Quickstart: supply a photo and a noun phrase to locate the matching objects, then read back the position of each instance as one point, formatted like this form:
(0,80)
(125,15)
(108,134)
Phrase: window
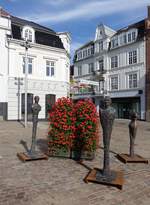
(129,37)
(50,68)
(101,65)
(91,67)
(28,34)
(84,53)
(132,80)
(133,36)
(114,42)
(124,38)
(92,50)
(79,70)
(79,55)
(100,46)
(114,62)
(114,83)
(89,51)
(132,57)
(29,65)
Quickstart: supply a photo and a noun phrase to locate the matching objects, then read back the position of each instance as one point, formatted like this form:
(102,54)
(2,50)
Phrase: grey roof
(22,22)
(43,35)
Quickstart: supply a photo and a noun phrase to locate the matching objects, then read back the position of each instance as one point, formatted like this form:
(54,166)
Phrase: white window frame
(112,84)
(129,39)
(79,70)
(114,42)
(28,33)
(29,63)
(132,37)
(100,46)
(50,68)
(114,62)
(132,57)
(101,64)
(131,81)
(90,67)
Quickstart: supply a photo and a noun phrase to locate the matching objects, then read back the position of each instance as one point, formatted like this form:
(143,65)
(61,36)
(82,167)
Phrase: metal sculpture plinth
(96,176)
(126,158)
(24,156)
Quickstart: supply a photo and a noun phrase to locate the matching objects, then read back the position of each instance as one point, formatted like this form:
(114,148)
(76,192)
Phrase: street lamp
(19,83)
(26,45)
(99,76)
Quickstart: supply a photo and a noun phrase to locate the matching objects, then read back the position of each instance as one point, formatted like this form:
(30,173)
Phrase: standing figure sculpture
(107,116)
(132,132)
(36,108)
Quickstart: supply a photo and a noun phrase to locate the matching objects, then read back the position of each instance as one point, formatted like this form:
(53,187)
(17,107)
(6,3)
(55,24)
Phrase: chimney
(148,12)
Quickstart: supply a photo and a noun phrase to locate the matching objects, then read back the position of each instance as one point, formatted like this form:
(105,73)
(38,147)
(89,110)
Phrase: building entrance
(125,106)
(49,102)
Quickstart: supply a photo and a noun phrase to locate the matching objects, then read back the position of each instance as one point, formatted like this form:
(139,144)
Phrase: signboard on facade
(88,82)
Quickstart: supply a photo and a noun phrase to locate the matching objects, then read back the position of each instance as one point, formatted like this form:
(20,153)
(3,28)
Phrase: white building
(122,58)
(48,65)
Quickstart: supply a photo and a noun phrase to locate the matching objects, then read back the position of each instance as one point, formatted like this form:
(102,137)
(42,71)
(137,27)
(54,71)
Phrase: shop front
(124,106)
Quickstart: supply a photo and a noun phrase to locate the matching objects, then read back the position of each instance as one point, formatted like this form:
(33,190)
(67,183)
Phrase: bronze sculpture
(107,116)
(32,154)
(132,133)
(36,108)
(132,157)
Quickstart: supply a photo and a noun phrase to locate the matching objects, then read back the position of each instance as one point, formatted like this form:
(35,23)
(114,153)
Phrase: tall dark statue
(36,108)
(132,132)
(107,116)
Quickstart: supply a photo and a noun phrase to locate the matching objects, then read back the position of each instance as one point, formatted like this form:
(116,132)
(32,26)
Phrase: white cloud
(88,10)
(57,2)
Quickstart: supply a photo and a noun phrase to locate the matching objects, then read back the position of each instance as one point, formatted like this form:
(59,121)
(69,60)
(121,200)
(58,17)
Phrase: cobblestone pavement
(60,181)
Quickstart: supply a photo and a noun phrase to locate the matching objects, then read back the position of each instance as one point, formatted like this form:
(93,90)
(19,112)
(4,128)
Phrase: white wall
(4,30)
(38,83)
(36,87)
(11,61)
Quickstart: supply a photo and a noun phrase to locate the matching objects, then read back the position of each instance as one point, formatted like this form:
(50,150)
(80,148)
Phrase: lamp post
(99,76)
(18,82)
(26,45)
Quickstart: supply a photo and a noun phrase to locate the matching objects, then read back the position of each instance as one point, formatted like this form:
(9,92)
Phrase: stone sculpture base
(127,159)
(117,181)
(24,156)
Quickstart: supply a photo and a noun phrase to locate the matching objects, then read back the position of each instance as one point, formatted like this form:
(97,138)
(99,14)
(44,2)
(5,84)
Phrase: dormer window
(28,33)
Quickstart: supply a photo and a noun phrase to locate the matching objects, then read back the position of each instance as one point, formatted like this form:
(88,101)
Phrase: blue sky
(79,17)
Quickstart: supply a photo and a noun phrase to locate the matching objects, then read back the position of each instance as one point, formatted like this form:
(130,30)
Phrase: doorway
(50,100)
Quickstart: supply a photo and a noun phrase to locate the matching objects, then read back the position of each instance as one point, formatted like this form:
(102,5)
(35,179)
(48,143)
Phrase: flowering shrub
(73,128)
(86,125)
(62,124)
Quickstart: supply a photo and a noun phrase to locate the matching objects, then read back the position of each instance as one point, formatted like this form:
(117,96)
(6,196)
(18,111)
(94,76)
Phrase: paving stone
(60,181)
